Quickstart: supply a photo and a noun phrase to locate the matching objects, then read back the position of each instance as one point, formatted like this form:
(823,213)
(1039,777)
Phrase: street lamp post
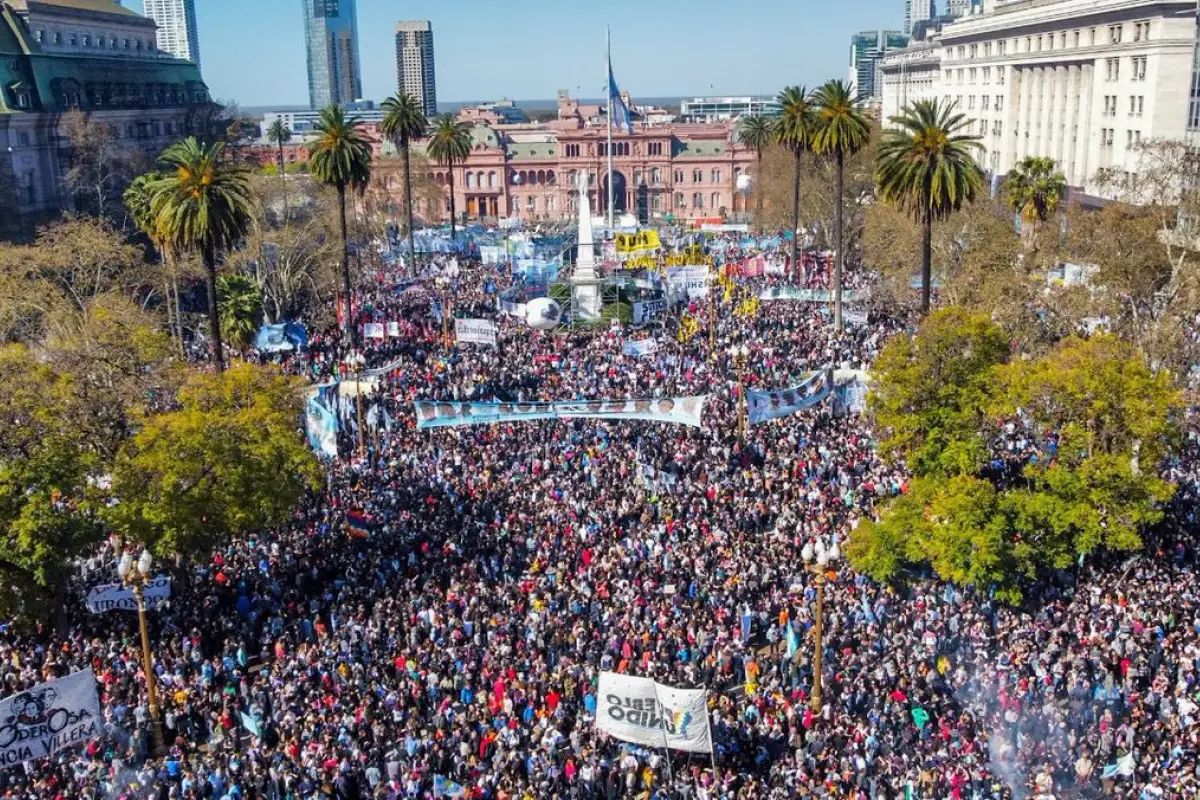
(356,361)
(444,284)
(135,575)
(816,560)
(740,357)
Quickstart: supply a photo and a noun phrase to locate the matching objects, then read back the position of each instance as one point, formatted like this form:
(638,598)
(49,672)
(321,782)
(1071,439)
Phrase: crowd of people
(455,649)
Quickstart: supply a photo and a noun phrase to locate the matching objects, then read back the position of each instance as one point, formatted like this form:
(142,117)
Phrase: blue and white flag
(620,112)
(793,641)
(764,406)
(444,787)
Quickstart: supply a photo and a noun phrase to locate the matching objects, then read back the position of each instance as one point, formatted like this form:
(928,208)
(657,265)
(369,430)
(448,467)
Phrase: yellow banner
(689,326)
(639,242)
(689,260)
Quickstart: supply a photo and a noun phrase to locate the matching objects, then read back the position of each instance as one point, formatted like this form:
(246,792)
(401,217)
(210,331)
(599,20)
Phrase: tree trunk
(450,175)
(839,258)
(283,180)
(796,217)
(758,195)
(408,204)
(214,314)
(350,327)
(178,317)
(926,260)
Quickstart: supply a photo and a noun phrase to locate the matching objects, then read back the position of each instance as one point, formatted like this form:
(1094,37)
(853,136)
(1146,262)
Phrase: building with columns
(688,171)
(1079,81)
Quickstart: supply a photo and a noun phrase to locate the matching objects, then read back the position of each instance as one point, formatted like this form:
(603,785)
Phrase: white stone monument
(585,282)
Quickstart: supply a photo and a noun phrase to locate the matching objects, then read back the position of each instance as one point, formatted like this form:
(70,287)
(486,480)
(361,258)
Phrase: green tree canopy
(241,308)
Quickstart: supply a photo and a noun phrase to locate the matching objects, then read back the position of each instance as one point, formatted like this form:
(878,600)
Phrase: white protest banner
(854,317)
(373,330)
(641,711)
(691,281)
(393,329)
(680,410)
(117,597)
(479,331)
(647,309)
(49,717)
(640,347)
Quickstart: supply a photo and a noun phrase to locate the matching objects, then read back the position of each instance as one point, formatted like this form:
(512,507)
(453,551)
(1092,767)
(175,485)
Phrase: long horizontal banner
(49,717)
(118,597)
(764,406)
(806,295)
(679,410)
(479,331)
(643,711)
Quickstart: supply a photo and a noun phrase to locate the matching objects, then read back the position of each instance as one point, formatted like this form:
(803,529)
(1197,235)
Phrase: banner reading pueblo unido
(679,410)
(51,716)
(118,597)
(641,711)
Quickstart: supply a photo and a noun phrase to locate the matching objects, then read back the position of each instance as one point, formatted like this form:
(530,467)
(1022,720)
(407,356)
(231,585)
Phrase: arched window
(716,176)
(715,201)
(470,180)
(697,175)
(541,176)
(572,178)
(479,179)
(679,200)
(654,176)
(491,180)
(440,179)
(522,177)
(697,200)
(550,177)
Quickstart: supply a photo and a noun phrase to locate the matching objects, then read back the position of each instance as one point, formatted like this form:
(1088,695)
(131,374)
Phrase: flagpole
(609,116)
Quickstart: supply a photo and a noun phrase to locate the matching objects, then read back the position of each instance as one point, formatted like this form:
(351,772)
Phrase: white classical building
(1080,81)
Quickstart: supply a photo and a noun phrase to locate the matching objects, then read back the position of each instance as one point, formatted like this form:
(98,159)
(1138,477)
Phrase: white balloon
(542,314)
(744,182)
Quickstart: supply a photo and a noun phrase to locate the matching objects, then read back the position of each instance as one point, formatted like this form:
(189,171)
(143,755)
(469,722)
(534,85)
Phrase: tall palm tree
(1034,189)
(138,203)
(279,134)
(756,133)
(926,165)
(340,156)
(201,204)
(449,144)
(794,128)
(403,121)
(842,130)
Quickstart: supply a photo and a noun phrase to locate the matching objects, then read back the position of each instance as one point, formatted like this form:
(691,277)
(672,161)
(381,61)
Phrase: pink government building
(529,170)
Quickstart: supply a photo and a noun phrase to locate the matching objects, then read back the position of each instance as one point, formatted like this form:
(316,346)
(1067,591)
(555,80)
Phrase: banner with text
(679,410)
(478,331)
(117,597)
(641,347)
(806,295)
(689,281)
(49,717)
(647,310)
(645,712)
(764,406)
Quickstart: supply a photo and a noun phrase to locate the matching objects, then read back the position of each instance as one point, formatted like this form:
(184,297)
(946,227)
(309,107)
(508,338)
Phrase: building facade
(334,70)
(1079,81)
(176,21)
(723,109)
(867,50)
(88,55)
(917,11)
(415,74)
(685,172)
(302,121)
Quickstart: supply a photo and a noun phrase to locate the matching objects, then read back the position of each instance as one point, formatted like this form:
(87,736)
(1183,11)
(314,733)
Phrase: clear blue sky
(253,50)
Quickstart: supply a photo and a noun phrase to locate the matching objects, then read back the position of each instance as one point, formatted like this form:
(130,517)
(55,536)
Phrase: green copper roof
(706,148)
(531,150)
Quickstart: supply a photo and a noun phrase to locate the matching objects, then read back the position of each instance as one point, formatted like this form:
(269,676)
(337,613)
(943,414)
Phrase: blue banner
(764,406)
(281,337)
(321,423)
(678,410)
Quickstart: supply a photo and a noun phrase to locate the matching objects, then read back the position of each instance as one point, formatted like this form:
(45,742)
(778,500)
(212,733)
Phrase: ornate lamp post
(816,560)
(354,363)
(135,575)
(740,356)
(444,285)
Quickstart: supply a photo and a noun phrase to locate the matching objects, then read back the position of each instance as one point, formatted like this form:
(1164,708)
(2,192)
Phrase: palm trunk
(450,175)
(408,204)
(283,180)
(178,318)
(758,195)
(926,260)
(214,314)
(350,327)
(796,216)
(839,260)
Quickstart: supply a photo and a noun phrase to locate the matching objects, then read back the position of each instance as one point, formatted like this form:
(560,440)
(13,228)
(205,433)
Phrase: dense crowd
(459,643)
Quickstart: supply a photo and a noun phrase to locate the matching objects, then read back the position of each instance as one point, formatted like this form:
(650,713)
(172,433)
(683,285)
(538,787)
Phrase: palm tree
(756,132)
(794,128)
(403,121)
(341,157)
(138,203)
(201,204)
(1034,189)
(842,130)
(450,144)
(241,308)
(926,166)
(278,134)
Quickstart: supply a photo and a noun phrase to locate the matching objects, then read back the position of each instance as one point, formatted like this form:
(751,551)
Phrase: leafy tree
(341,157)
(449,144)
(757,133)
(98,164)
(279,134)
(229,462)
(926,166)
(201,205)
(1034,190)
(794,129)
(403,121)
(841,130)
(241,308)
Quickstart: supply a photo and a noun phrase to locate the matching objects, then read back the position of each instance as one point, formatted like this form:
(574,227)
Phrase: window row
(97,40)
(1138,31)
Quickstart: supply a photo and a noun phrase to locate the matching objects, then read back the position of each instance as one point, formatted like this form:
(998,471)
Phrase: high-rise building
(867,49)
(960,8)
(916,11)
(414,63)
(334,74)
(176,20)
